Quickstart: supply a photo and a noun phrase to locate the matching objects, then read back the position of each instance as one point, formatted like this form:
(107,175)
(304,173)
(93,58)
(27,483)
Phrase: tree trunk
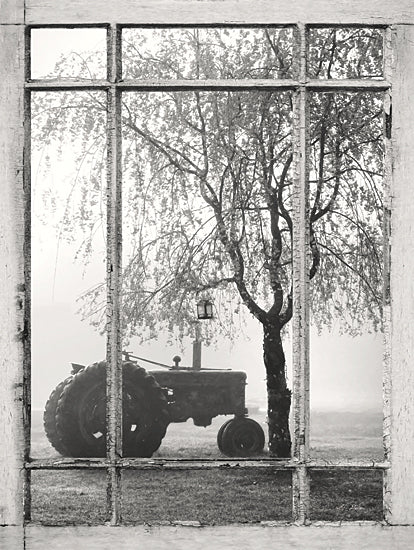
(278,395)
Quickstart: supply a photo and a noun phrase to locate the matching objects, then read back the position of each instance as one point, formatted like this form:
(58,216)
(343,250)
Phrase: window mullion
(387,386)
(114,254)
(300,287)
(14,280)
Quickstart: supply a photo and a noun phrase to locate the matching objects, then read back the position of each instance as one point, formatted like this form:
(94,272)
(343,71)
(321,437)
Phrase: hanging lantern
(204,309)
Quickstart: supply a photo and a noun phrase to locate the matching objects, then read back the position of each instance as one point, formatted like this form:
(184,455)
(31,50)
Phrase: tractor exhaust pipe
(197,349)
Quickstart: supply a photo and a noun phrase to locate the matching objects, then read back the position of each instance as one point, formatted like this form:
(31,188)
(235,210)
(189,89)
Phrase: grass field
(222,495)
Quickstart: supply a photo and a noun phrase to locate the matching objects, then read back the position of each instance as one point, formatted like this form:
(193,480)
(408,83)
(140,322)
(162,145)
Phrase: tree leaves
(207,182)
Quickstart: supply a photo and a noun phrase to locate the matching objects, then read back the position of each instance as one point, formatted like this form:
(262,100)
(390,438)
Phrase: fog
(346,372)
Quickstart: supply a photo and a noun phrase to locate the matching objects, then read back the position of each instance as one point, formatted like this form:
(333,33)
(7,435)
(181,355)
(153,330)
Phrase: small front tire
(220,434)
(242,437)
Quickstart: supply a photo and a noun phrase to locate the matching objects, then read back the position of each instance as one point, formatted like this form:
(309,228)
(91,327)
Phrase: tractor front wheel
(241,437)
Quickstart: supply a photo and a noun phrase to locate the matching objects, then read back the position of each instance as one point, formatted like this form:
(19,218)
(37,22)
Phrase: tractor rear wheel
(49,417)
(81,413)
(242,437)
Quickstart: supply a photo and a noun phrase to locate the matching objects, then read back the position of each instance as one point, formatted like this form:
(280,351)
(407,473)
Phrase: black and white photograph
(206,274)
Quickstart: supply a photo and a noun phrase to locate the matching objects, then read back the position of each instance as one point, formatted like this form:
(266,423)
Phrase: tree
(208,188)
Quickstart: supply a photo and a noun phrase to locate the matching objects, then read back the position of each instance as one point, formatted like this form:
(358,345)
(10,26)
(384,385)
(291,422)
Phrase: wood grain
(401,475)
(201,464)
(11,12)
(300,287)
(12,296)
(365,12)
(114,255)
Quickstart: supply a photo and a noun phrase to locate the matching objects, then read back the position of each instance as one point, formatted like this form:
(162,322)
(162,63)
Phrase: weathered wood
(400,480)
(300,287)
(207,464)
(266,535)
(367,12)
(387,381)
(114,254)
(13,329)
(185,85)
(11,12)
(401,476)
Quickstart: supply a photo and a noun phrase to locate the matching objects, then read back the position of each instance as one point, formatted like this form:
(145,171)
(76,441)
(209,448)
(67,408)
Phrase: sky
(345,371)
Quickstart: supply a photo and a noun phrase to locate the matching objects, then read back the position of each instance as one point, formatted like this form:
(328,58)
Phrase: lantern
(204,309)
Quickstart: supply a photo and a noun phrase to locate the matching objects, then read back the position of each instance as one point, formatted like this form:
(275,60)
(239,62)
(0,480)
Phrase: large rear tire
(49,417)
(81,413)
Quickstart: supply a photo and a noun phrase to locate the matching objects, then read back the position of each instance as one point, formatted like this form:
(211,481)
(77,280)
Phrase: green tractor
(75,413)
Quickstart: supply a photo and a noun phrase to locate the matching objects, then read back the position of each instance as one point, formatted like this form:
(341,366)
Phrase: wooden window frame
(17,18)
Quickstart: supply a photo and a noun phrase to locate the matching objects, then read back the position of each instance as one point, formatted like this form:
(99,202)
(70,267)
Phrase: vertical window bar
(300,325)
(27,278)
(114,251)
(386,315)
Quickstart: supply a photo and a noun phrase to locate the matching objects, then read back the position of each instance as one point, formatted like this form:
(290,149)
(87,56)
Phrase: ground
(218,497)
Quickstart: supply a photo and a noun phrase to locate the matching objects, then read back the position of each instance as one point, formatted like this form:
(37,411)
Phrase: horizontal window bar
(191,464)
(56,85)
(183,85)
(215,25)
(183,26)
(359,84)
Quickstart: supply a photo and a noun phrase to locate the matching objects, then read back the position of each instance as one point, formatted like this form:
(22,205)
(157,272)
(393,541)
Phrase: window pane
(68,53)
(65,497)
(212,497)
(346,53)
(207,53)
(346,202)
(346,495)
(205,174)
(68,272)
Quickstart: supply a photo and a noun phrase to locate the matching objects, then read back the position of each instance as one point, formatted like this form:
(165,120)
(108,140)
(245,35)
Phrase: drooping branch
(320,180)
(329,205)
(282,209)
(167,150)
(316,256)
(360,275)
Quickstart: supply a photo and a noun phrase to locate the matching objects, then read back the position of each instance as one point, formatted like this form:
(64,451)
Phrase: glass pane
(201,53)
(346,53)
(68,53)
(209,497)
(206,187)
(346,495)
(65,497)
(68,273)
(346,201)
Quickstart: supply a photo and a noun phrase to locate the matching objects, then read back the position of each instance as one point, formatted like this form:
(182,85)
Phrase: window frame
(18,430)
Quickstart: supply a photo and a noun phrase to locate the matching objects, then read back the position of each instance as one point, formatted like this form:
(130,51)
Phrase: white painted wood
(201,464)
(387,381)
(270,536)
(184,85)
(114,262)
(400,480)
(219,11)
(300,286)
(401,476)
(11,12)
(12,331)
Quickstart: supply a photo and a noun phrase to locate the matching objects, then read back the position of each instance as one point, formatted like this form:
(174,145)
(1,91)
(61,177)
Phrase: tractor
(75,413)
